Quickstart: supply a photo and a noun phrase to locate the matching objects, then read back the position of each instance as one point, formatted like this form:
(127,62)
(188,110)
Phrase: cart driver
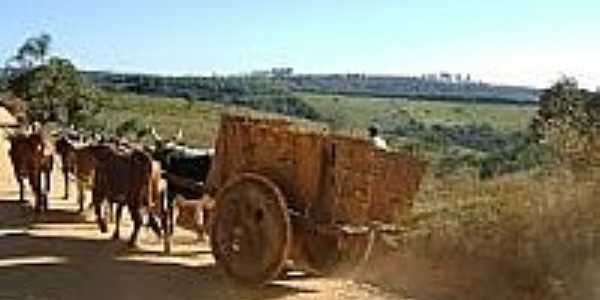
(378,141)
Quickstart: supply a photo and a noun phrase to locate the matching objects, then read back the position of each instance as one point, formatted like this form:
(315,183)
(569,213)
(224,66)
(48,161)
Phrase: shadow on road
(43,267)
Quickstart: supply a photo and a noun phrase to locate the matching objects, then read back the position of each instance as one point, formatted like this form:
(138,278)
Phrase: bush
(569,121)
(523,155)
(475,146)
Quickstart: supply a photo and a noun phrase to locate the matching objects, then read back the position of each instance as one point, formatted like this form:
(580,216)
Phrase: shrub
(479,146)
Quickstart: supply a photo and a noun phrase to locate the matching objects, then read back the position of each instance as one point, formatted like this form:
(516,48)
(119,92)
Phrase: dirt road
(63,256)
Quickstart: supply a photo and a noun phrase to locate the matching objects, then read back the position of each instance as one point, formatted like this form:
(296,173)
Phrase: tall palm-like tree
(32,53)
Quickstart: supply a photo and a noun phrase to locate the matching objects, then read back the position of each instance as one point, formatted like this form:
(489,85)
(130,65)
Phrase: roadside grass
(531,235)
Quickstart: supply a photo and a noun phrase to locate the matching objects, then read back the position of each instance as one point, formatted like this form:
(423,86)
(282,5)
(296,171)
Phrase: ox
(29,159)
(84,168)
(77,159)
(186,170)
(128,178)
(65,148)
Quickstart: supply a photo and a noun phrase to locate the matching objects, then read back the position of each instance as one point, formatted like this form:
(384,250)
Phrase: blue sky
(519,42)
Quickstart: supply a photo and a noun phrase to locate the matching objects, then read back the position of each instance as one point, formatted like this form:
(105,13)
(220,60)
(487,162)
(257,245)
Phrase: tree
(32,53)
(52,88)
(564,99)
(3,83)
(568,119)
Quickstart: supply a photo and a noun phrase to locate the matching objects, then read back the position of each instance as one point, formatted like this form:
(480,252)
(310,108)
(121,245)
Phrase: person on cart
(378,141)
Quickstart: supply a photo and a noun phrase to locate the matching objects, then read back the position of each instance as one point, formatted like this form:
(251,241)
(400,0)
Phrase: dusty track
(62,255)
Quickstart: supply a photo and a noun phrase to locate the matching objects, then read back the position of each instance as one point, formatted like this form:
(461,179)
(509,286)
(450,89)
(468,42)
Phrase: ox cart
(286,194)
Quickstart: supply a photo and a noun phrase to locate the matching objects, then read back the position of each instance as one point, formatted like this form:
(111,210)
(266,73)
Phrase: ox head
(62,145)
(142,160)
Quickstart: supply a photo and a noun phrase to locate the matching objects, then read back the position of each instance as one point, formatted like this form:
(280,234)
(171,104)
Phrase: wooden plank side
(352,169)
(235,150)
(309,160)
(372,184)
(396,182)
(273,156)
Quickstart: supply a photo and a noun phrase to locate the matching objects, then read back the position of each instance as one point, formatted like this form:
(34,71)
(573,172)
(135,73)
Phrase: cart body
(332,190)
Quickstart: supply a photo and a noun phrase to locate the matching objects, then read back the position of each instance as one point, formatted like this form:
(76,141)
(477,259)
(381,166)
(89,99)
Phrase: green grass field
(199,120)
(359,112)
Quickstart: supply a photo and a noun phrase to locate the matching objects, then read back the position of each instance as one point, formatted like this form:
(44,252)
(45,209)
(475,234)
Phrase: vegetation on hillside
(227,88)
(51,87)
(395,86)
(131,115)
(569,121)
(491,138)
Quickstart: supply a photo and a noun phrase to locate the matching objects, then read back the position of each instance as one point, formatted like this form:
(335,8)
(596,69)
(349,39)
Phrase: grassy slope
(199,121)
(358,112)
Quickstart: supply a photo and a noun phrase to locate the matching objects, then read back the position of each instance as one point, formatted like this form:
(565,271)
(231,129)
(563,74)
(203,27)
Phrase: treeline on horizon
(239,89)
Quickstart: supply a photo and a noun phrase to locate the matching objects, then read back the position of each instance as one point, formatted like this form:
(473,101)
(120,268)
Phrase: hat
(373,129)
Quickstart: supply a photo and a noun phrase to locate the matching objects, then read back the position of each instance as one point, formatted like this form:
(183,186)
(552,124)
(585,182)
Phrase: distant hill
(234,88)
(393,86)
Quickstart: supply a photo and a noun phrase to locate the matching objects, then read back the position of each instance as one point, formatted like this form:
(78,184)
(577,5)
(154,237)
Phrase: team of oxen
(145,180)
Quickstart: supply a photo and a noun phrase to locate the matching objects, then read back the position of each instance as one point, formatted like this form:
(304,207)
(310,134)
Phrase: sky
(520,42)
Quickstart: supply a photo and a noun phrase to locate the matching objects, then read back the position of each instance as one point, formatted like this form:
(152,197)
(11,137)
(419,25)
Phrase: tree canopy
(52,88)
(569,119)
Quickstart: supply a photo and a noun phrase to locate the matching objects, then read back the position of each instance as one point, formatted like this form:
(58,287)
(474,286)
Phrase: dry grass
(525,236)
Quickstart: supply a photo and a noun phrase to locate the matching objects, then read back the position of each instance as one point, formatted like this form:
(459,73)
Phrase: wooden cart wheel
(322,253)
(251,234)
(329,253)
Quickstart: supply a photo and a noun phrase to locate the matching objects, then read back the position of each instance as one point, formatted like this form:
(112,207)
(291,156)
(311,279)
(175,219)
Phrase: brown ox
(27,154)
(85,170)
(127,178)
(66,150)
(79,160)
